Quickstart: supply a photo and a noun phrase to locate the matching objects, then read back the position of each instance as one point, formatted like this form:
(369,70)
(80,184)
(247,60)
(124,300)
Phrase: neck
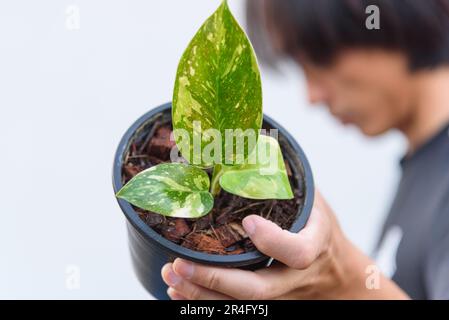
(431,107)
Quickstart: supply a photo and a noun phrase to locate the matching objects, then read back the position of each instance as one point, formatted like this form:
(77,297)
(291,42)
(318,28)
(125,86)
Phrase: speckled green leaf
(217,84)
(265,179)
(171,189)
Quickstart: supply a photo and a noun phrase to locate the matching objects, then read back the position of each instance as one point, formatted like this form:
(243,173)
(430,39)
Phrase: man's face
(370,89)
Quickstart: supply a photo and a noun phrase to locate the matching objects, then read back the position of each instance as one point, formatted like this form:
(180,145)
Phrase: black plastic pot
(150,251)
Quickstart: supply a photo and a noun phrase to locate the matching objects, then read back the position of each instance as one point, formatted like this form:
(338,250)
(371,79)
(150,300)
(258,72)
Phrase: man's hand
(316,263)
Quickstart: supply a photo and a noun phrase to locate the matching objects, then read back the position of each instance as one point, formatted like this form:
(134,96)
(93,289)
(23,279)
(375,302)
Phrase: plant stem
(215,183)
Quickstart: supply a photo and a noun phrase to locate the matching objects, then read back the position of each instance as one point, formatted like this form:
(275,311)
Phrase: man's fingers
(174,295)
(182,289)
(236,283)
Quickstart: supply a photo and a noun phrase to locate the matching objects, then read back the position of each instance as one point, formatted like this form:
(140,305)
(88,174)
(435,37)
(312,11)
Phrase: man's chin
(372,131)
(367,130)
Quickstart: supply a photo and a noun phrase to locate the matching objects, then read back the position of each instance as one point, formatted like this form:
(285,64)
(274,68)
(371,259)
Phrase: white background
(67,96)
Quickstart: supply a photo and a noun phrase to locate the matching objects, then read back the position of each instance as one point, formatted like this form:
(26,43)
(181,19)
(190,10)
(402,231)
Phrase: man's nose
(317,94)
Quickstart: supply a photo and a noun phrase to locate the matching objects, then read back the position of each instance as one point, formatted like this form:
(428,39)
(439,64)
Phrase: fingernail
(249,225)
(171,278)
(184,268)
(174,295)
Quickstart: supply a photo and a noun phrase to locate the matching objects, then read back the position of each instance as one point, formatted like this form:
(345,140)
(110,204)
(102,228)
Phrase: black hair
(321,29)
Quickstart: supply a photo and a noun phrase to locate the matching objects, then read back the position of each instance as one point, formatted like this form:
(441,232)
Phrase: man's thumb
(275,242)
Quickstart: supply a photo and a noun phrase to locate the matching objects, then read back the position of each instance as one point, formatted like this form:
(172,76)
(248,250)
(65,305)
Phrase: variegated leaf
(217,87)
(170,189)
(265,178)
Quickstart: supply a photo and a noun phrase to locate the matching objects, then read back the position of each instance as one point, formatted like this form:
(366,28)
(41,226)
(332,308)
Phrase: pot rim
(149,234)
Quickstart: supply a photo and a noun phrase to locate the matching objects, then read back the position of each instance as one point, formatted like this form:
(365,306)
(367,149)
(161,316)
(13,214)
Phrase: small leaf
(266,178)
(217,87)
(170,189)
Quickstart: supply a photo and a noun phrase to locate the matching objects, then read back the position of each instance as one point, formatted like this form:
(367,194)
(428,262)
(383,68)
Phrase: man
(395,77)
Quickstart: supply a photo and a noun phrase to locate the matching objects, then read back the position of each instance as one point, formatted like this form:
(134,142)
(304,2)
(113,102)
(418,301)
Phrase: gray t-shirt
(419,222)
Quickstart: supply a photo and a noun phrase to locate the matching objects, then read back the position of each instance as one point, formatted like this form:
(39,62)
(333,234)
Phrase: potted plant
(186,174)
